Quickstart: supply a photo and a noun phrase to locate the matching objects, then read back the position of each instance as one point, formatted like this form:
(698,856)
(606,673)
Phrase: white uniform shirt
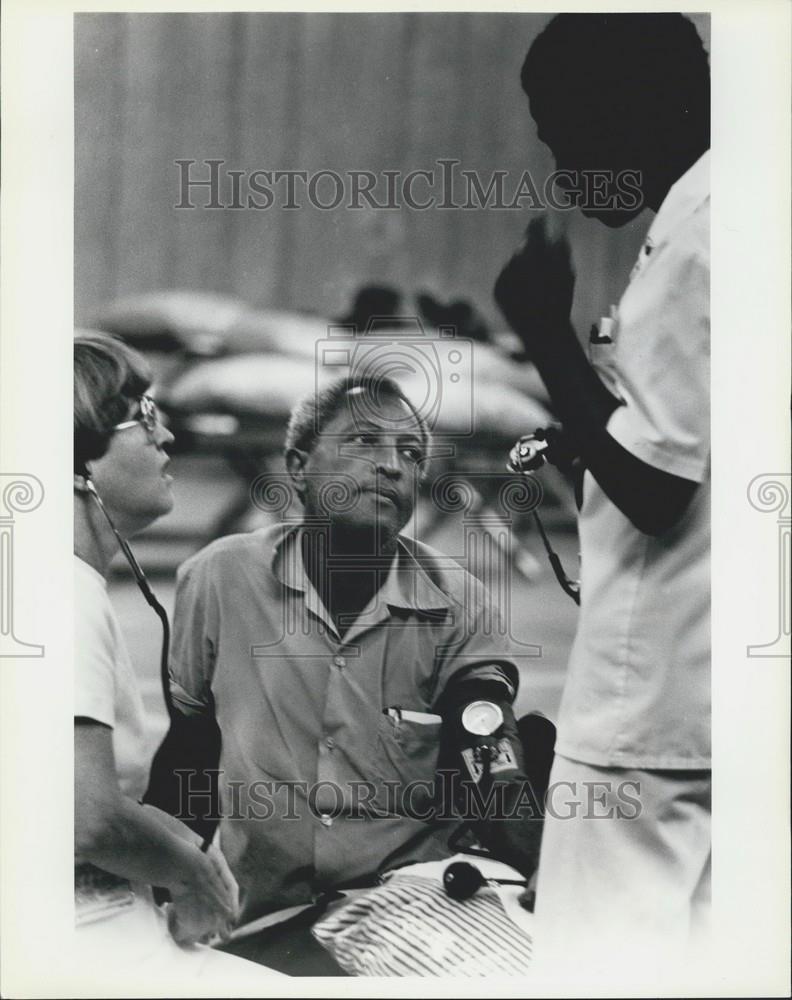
(105,686)
(638,688)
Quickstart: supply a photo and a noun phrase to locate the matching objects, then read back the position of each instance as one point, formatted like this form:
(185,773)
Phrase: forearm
(652,499)
(174,825)
(579,396)
(132,841)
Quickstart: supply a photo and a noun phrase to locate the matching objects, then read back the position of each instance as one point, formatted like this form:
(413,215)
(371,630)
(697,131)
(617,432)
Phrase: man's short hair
(637,65)
(314,411)
(108,376)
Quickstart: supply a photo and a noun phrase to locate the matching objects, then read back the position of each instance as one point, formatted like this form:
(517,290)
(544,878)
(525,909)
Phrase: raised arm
(534,292)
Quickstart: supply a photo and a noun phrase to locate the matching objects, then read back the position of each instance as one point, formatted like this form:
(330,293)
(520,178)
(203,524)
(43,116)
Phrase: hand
(534,290)
(207,906)
(561,448)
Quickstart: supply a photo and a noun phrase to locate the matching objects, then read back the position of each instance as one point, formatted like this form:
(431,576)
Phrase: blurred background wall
(283,91)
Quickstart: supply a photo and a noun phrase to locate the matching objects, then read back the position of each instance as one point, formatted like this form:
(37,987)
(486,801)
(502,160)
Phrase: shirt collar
(683,198)
(406,586)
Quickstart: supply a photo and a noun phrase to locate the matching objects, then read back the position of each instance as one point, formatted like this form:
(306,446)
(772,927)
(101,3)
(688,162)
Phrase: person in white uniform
(628,888)
(122,848)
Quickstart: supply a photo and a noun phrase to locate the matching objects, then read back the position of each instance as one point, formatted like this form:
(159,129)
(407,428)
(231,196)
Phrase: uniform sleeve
(94,658)
(194,641)
(662,364)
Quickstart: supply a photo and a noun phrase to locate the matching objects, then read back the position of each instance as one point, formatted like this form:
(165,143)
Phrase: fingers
(225,933)
(229,883)
(546,241)
(536,231)
(545,230)
(543,261)
(180,930)
(191,922)
(207,908)
(561,253)
(220,935)
(218,897)
(534,291)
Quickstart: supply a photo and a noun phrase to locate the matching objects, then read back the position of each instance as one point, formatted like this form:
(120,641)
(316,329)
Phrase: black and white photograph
(420,604)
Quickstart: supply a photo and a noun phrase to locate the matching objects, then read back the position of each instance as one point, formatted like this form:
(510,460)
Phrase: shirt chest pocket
(406,751)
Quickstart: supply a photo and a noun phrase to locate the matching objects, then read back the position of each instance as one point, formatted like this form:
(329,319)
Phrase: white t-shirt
(105,686)
(638,689)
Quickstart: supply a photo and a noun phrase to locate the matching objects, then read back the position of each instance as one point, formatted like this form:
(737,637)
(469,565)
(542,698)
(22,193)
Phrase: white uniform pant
(623,891)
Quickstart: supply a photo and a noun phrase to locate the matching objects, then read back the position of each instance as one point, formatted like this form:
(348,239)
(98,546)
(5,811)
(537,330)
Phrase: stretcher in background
(228,375)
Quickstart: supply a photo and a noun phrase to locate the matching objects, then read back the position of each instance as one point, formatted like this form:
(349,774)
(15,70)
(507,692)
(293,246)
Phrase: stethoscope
(162,614)
(145,589)
(525,458)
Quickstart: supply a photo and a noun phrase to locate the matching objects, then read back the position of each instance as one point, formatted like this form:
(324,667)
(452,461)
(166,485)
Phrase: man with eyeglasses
(326,647)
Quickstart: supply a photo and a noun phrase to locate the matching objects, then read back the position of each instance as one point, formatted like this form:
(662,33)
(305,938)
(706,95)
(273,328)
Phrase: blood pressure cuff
(498,781)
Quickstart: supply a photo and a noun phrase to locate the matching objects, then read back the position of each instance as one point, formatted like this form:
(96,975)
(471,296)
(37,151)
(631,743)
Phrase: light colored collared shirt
(638,688)
(321,784)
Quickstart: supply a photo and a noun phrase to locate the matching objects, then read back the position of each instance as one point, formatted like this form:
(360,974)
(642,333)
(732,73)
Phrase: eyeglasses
(149,417)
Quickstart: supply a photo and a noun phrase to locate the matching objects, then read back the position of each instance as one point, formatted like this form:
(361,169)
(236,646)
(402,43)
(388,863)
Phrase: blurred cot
(227,376)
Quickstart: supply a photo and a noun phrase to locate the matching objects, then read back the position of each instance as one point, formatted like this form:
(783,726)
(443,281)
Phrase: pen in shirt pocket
(394,713)
(397,715)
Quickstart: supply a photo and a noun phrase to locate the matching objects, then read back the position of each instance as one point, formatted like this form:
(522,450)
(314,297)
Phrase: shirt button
(326,820)
(339,661)
(329,742)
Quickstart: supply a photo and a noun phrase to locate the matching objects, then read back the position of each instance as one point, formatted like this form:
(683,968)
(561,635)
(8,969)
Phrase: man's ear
(295,465)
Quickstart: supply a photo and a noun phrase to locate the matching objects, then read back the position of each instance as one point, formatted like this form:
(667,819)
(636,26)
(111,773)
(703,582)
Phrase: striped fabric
(409,926)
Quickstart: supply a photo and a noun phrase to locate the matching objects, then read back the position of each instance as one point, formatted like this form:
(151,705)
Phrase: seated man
(325,648)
